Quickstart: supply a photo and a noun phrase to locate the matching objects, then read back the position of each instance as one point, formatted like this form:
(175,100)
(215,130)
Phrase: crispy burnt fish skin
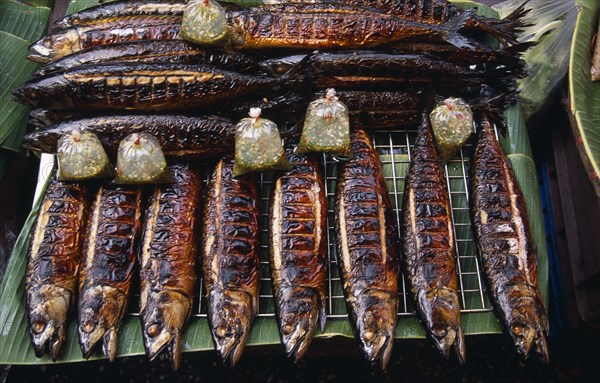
(428,245)
(367,239)
(230,259)
(139,86)
(298,253)
(179,136)
(177,51)
(53,264)
(107,265)
(503,240)
(167,260)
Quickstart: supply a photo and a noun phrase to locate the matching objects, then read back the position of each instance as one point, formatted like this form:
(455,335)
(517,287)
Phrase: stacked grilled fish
(119,68)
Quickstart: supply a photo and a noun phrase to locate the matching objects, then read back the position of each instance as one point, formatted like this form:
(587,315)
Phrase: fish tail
(294,75)
(451,30)
(505,30)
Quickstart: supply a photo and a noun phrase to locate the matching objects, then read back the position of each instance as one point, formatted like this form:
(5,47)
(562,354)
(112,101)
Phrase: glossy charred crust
(230,257)
(503,239)
(367,239)
(429,246)
(167,261)
(298,252)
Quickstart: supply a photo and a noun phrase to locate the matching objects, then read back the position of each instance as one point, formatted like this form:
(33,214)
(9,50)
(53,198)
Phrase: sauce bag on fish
(258,145)
(326,127)
(141,160)
(81,156)
(452,123)
(204,22)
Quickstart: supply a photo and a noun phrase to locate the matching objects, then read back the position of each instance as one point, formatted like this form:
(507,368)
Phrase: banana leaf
(585,94)
(22,20)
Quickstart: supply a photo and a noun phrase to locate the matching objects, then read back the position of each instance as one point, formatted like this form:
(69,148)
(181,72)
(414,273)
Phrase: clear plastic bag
(258,145)
(204,22)
(452,124)
(326,127)
(141,160)
(81,156)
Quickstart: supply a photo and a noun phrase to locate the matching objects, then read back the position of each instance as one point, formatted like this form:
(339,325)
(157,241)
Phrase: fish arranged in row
(107,266)
(298,253)
(504,244)
(230,259)
(179,136)
(53,264)
(167,260)
(428,245)
(367,249)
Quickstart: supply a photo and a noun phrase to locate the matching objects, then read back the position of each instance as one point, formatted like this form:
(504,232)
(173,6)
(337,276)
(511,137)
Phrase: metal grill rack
(394,147)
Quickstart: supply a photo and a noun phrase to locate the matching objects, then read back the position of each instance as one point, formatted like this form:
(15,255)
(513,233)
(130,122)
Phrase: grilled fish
(429,247)
(179,136)
(176,51)
(139,86)
(107,267)
(53,264)
(298,253)
(230,260)
(167,261)
(367,240)
(503,240)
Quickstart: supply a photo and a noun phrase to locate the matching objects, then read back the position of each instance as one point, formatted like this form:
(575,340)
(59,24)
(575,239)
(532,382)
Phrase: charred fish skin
(298,253)
(428,245)
(197,137)
(367,240)
(167,262)
(53,265)
(503,240)
(230,258)
(139,86)
(107,266)
(177,51)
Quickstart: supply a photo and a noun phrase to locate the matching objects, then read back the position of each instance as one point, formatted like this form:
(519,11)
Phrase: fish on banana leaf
(107,266)
(367,249)
(230,259)
(53,264)
(298,253)
(504,245)
(167,260)
(428,245)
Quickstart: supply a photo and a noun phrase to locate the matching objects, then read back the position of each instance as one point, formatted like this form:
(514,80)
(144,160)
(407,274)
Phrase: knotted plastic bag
(141,160)
(258,145)
(452,124)
(326,127)
(204,22)
(81,156)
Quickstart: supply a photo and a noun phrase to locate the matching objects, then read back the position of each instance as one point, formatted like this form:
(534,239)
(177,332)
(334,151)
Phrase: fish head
(163,316)
(49,308)
(101,309)
(237,31)
(42,50)
(47,91)
(230,315)
(376,314)
(298,313)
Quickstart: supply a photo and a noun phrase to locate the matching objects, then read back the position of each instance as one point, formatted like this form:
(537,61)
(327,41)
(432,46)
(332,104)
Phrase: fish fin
(322,312)
(56,343)
(109,344)
(459,346)
(386,353)
(452,27)
(506,29)
(541,348)
(292,75)
(174,350)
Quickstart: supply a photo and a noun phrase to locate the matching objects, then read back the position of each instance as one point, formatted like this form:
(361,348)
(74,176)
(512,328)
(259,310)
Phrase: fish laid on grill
(107,266)
(230,259)
(167,260)
(53,264)
(367,253)
(298,253)
(503,240)
(428,245)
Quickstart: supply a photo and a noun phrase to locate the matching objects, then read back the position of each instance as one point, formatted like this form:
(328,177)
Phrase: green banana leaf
(22,20)
(585,94)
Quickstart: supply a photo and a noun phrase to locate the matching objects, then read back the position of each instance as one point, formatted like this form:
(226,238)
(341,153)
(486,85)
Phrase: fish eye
(517,329)
(153,330)
(88,327)
(38,326)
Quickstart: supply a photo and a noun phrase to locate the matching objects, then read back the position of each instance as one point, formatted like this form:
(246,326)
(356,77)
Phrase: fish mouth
(38,58)
(52,335)
(41,49)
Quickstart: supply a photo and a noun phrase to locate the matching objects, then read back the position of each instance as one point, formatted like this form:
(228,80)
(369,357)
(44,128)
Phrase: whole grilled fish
(230,259)
(429,247)
(503,240)
(53,264)
(298,253)
(176,51)
(139,86)
(107,266)
(179,136)
(326,25)
(367,240)
(167,261)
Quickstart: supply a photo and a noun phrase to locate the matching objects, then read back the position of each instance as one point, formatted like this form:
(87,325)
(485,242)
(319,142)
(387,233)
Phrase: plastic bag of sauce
(452,124)
(81,156)
(204,22)
(140,160)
